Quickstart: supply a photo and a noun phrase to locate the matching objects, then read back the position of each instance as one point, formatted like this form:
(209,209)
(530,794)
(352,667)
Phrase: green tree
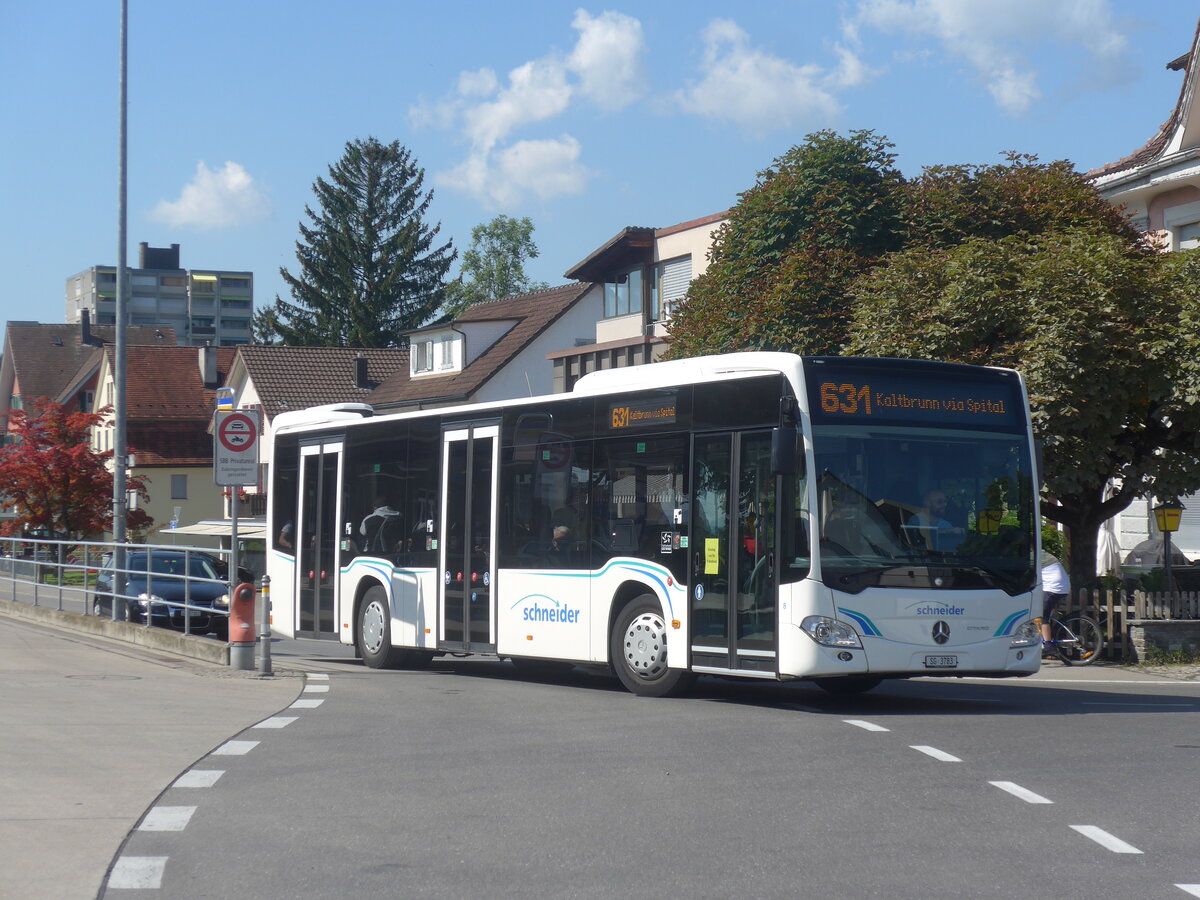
(494,265)
(781,263)
(1020,264)
(369,269)
(1104,333)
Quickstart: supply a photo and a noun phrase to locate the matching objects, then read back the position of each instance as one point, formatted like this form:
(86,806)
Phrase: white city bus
(754,514)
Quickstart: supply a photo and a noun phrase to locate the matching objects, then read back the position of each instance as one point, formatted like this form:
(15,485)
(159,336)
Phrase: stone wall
(1166,635)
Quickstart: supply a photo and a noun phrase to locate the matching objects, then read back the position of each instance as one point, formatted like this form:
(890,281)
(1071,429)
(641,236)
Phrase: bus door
(732,567)
(317,541)
(467,557)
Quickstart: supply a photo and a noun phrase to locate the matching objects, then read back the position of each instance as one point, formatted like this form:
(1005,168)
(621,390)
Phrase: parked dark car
(173,579)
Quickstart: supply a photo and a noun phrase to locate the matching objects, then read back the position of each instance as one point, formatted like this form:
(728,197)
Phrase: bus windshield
(932,508)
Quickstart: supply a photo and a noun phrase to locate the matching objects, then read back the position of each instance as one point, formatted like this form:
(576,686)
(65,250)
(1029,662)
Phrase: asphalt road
(469,780)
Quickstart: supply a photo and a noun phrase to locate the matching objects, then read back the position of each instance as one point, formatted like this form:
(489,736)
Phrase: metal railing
(64,574)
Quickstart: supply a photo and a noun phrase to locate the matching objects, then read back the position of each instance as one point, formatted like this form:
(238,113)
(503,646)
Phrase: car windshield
(172,564)
(932,508)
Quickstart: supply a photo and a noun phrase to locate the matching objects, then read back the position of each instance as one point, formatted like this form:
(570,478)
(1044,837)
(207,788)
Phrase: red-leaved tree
(52,479)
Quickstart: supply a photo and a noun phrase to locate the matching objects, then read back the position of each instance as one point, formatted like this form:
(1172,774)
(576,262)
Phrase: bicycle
(1075,639)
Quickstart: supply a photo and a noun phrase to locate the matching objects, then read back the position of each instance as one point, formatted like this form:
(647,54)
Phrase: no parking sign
(235,447)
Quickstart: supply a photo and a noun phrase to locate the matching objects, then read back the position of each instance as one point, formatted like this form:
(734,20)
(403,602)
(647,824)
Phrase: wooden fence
(1115,609)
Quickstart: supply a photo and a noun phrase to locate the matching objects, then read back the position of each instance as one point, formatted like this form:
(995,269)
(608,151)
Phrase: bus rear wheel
(638,648)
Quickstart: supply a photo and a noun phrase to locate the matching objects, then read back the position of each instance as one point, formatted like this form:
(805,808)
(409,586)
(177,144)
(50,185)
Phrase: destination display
(934,396)
(642,413)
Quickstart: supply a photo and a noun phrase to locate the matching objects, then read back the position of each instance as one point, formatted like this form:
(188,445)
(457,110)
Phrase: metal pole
(264,627)
(119,446)
(1167,551)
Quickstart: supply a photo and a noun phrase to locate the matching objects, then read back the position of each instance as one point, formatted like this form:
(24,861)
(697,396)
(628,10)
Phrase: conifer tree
(369,269)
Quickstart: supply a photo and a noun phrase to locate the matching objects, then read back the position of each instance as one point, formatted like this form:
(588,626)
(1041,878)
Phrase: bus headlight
(1027,634)
(830,632)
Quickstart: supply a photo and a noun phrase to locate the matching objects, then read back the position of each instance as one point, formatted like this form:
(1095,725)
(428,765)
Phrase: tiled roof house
(494,351)
(60,361)
(170,398)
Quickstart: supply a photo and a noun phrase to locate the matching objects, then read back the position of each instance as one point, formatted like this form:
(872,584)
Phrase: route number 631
(846,398)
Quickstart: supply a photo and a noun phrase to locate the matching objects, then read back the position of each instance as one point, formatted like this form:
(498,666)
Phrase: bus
(761,515)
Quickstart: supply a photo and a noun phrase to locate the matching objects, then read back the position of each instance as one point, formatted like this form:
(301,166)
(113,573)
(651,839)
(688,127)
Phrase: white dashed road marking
(316,689)
(866,726)
(198,778)
(138,872)
(306,704)
(1193,889)
(235,748)
(1017,791)
(1105,840)
(936,753)
(321,676)
(277,722)
(167,818)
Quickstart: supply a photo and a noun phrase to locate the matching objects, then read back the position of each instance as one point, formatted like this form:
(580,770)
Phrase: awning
(196,277)
(248,529)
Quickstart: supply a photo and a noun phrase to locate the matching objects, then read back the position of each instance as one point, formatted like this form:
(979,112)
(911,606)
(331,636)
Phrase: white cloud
(990,37)
(608,58)
(541,168)
(217,199)
(536,91)
(604,67)
(758,91)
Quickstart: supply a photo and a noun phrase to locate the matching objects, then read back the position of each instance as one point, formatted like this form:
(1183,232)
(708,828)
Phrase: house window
(1188,236)
(422,356)
(623,295)
(446,353)
(178,487)
(229,282)
(671,280)
(174,281)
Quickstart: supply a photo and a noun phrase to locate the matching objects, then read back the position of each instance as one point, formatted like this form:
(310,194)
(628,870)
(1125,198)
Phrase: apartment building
(200,305)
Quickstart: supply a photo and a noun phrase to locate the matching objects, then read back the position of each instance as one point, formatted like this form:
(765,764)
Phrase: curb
(187,645)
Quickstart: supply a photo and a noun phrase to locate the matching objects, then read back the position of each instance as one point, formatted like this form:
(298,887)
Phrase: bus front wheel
(638,648)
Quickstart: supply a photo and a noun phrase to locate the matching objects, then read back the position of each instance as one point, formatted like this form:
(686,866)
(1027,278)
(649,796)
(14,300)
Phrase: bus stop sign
(235,447)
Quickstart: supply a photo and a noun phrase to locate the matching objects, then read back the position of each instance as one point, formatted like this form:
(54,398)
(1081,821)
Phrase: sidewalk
(91,732)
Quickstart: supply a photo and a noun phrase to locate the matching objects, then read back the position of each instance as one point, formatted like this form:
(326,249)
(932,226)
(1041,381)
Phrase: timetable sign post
(235,447)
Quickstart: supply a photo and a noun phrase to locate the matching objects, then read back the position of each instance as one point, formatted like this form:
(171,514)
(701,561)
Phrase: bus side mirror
(783,451)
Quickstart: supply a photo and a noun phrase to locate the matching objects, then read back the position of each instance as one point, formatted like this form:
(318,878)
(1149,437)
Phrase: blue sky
(586,118)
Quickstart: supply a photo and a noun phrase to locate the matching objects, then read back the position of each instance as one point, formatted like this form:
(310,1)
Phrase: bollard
(264,628)
(241,627)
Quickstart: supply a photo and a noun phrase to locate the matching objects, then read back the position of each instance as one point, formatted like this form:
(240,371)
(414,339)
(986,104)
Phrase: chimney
(85,329)
(360,372)
(208,366)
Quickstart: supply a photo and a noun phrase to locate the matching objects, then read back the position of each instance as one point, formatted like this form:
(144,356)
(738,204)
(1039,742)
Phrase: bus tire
(848,685)
(638,649)
(374,634)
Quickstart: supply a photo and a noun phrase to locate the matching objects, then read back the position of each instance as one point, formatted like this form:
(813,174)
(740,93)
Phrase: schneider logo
(556,613)
(930,610)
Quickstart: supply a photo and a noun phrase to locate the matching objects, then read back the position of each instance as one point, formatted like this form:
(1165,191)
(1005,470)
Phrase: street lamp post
(1166,517)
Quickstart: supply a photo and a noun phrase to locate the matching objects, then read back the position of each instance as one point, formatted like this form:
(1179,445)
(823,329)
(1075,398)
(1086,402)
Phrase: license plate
(941,662)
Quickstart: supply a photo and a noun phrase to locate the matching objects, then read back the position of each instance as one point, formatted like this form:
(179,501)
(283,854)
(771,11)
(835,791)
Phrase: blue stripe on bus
(1008,624)
(864,623)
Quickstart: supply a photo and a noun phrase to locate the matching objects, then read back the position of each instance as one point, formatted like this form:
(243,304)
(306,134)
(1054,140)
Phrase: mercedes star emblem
(941,632)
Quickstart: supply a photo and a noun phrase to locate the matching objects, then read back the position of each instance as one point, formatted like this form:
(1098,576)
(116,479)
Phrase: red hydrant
(241,627)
